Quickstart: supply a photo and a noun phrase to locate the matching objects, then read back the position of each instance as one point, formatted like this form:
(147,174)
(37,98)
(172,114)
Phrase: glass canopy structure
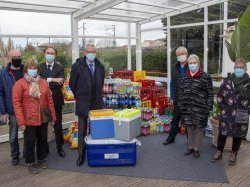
(137,12)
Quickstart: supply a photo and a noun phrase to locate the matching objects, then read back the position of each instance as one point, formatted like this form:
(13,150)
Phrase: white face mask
(182,58)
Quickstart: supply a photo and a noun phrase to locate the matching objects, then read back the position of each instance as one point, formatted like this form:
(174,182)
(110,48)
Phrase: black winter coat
(176,79)
(196,99)
(81,82)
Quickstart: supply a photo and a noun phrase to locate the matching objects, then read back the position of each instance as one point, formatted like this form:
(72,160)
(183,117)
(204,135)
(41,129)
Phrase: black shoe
(61,152)
(80,160)
(14,161)
(168,141)
(196,154)
(189,152)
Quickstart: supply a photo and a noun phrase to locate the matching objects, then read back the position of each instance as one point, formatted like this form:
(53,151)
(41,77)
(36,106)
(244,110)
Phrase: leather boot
(232,158)
(217,156)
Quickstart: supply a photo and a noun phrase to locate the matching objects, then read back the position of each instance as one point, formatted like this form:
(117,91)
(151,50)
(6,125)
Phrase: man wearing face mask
(8,76)
(54,74)
(86,82)
(177,72)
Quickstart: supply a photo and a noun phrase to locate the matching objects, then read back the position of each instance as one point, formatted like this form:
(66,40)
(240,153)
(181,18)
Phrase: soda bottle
(104,99)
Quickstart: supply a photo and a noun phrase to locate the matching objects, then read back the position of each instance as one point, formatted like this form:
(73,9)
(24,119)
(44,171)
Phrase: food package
(74,143)
(67,93)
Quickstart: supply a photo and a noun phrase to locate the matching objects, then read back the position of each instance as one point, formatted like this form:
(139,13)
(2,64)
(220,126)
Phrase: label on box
(111,156)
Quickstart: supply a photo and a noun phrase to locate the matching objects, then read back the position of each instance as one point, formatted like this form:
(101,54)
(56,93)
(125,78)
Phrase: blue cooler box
(110,152)
(102,127)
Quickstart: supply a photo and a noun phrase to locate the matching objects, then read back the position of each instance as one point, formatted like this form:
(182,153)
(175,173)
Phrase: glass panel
(102,28)
(125,13)
(112,56)
(154,55)
(190,37)
(194,16)
(153,24)
(141,7)
(5,46)
(216,12)
(215,46)
(235,7)
(16,22)
(161,2)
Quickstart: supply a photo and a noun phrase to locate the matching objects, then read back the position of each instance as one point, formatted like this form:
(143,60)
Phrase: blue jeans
(13,137)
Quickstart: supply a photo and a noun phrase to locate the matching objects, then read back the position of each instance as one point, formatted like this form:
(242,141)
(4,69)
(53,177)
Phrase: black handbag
(242,116)
(46,115)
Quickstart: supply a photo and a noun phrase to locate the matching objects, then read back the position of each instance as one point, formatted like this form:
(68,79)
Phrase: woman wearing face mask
(30,95)
(233,99)
(196,99)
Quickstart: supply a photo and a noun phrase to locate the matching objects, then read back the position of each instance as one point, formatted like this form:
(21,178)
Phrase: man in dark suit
(86,82)
(54,74)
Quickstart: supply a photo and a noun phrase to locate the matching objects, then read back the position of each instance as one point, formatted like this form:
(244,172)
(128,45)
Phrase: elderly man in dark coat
(86,82)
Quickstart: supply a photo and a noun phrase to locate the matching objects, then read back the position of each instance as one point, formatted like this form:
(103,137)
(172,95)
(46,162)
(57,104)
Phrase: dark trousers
(35,136)
(58,128)
(222,141)
(175,122)
(13,137)
(82,133)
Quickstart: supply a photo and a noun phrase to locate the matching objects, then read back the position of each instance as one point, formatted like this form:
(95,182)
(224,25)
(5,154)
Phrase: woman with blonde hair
(31,96)
(196,99)
(233,99)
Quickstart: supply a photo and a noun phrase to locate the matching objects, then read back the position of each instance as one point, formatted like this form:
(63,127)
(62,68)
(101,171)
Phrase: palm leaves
(240,41)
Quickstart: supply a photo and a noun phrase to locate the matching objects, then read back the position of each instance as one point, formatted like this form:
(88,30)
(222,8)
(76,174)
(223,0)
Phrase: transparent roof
(116,10)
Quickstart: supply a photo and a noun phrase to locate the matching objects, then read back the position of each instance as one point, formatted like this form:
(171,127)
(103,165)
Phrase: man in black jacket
(86,82)
(54,74)
(177,72)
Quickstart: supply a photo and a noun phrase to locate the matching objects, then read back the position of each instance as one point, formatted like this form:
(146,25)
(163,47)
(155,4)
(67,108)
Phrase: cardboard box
(127,124)
(110,152)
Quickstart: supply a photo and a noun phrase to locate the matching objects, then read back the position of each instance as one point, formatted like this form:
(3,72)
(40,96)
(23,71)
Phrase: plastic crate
(146,93)
(161,103)
(123,74)
(157,92)
(146,104)
(147,83)
(139,75)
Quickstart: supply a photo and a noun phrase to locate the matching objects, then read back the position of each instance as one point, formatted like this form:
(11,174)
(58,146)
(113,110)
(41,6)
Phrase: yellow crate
(101,112)
(139,75)
(146,104)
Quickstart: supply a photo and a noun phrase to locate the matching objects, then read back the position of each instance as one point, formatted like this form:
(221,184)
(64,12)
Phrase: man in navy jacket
(8,76)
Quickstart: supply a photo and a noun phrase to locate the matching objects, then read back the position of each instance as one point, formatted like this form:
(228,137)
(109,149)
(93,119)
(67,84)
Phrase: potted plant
(214,121)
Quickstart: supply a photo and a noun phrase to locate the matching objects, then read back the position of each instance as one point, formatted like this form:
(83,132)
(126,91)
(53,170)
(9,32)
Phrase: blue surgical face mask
(193,67)
(50,58)
(91,56)
(239,72)
(32,73)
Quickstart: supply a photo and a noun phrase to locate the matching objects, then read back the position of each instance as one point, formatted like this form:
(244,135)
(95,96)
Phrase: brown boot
(232,158)
(217,156)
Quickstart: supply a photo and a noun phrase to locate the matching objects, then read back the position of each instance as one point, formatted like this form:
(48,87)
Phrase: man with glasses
(54,74)
(86,82)
(8,76)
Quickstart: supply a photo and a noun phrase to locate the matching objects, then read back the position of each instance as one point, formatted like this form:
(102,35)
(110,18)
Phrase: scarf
(239,85)
(195,75)
(34,89)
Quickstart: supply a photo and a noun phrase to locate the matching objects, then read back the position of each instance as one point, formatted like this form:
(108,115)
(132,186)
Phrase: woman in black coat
(196,99)
(233,99)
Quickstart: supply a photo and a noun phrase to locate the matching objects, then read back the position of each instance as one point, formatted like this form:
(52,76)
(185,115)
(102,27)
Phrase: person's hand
(22,128)
(58,80)
(5,118)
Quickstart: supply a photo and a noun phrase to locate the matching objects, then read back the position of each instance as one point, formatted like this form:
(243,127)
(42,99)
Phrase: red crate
(161,103)
(157,92)
(123,74)
(147,83)
(146,93)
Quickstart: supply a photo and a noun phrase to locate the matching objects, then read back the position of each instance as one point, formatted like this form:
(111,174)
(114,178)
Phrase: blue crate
(102,127)
(111,152)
